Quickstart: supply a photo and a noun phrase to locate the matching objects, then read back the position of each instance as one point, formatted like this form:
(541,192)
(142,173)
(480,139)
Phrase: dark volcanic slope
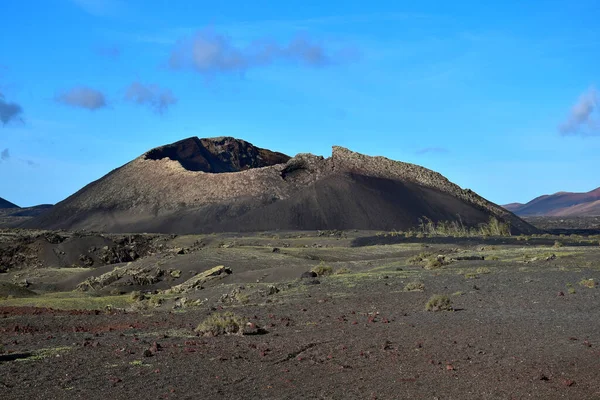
(174,189)
(7,204)
(216,155)
(560,204)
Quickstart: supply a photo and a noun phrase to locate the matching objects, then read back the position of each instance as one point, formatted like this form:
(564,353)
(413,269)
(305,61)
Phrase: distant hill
(15,216)
(561,204)
(229,185)
(7,204)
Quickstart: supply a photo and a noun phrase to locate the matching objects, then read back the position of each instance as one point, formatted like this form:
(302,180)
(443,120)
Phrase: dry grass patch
(226,323)
(322,269)
(414,287)
(439,302)
(588,283)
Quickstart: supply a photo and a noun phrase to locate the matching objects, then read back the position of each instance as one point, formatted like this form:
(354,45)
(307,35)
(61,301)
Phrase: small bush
(156,301)
(414,287)
(242,298)
(322,269)
(557,244)
(588,283)
(483,270)
(571,290)
(435,262)
(226,323)
(439,302)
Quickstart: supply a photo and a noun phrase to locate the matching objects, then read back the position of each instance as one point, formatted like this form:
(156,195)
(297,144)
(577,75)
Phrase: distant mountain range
(561,204)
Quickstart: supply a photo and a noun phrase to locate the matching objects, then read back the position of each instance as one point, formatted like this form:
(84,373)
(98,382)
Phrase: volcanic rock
(226,184)
(7,204)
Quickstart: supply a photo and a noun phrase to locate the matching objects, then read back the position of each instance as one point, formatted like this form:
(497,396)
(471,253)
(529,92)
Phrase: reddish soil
(511,336)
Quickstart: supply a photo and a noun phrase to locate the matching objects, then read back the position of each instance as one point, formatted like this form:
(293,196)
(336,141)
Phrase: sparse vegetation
(557,244)
(416,259)
(493,227)
(588,283)
(322,269)
(226,323)
(414,287)
(439,302)
(435,262)
(483,270)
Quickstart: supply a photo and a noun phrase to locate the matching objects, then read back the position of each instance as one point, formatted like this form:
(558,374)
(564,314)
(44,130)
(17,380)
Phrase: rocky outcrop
(217,155)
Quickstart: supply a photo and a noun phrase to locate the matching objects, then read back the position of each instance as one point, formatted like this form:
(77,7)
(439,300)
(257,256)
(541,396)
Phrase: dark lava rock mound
(223,154)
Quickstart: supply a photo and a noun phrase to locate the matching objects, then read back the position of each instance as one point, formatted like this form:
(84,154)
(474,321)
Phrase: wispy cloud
(83,97)
(152,96)
(208,53)
(100,8)
(584,117)
(5,155)
(9,111)
(438,150)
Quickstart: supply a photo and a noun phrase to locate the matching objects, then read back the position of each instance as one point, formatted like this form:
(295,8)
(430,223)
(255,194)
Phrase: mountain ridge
(560,204)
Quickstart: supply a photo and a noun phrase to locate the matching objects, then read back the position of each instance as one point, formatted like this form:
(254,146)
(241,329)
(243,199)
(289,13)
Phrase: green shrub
(483,270)
(557,244)
(439,302)
(226,323)
(414,287)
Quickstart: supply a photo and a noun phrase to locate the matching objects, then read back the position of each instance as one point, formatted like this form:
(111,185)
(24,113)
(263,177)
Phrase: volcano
(229,185)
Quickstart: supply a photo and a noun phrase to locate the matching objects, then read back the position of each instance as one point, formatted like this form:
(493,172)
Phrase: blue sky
(500,98)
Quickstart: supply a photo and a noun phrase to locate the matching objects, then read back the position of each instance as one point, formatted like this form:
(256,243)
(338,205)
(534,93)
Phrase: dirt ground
(523,321)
